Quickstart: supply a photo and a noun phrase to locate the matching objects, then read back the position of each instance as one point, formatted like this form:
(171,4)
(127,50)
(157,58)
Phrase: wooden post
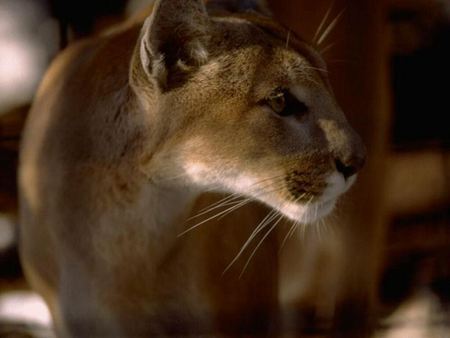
(345,268)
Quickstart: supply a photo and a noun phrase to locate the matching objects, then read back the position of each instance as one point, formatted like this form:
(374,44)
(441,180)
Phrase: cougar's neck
(167,197)
(170,206)
(167,201)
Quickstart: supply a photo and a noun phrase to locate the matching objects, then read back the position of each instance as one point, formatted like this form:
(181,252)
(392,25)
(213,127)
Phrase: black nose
(350,167)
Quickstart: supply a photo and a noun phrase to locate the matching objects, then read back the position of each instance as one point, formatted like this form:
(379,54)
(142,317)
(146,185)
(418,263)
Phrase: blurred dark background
(389,63)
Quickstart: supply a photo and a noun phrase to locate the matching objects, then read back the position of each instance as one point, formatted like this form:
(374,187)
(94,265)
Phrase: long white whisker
(288,39)
(295,229)
(274,180)
(316,68)
(289,234)
(322,229)
(330,28)
(318,230)
(266,221)
(259,244)
(225,212)
(226,199)
(230,210)
(168,178)
(316,211)
(301,222)
(269,217)
(241,203)
(304,231)
(294,225)
(327,48)
(322,23)
(229,198)
(219,215)
(227,202)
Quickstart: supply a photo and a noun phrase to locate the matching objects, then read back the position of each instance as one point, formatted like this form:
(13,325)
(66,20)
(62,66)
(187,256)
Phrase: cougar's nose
(346,146)
(349,165)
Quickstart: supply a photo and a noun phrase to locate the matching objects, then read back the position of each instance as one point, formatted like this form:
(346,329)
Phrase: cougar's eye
(283,103)
(277,102)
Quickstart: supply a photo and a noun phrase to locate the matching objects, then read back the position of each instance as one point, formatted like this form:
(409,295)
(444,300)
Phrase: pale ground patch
(421,316)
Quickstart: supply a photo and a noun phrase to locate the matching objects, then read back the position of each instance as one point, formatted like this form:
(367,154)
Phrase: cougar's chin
(308,213)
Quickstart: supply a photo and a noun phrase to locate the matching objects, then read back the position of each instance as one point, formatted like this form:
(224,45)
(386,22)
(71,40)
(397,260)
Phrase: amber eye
(277,102)
(283,103)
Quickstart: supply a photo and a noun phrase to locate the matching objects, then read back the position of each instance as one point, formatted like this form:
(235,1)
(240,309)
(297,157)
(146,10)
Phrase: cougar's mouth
(305,187)
(312,199)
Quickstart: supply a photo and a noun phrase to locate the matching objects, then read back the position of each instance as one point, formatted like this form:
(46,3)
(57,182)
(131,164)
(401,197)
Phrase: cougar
(130,128)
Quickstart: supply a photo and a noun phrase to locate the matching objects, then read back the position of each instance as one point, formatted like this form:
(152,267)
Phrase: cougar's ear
(234,6)
(174,39)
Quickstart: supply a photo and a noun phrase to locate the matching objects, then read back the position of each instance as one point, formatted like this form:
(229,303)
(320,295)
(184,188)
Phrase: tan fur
(129,129)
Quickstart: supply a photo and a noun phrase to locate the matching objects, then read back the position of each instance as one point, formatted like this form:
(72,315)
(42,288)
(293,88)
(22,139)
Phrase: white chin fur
(303,213)
(337,185)
(309,213)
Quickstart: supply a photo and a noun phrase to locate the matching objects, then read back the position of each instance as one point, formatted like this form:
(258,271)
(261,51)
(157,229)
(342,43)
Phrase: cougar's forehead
(265,47)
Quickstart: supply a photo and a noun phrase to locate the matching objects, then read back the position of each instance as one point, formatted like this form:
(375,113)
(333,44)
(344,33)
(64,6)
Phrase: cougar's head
(241,105)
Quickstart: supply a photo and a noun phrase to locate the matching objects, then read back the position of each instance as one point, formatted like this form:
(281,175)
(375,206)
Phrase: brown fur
(126,132)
